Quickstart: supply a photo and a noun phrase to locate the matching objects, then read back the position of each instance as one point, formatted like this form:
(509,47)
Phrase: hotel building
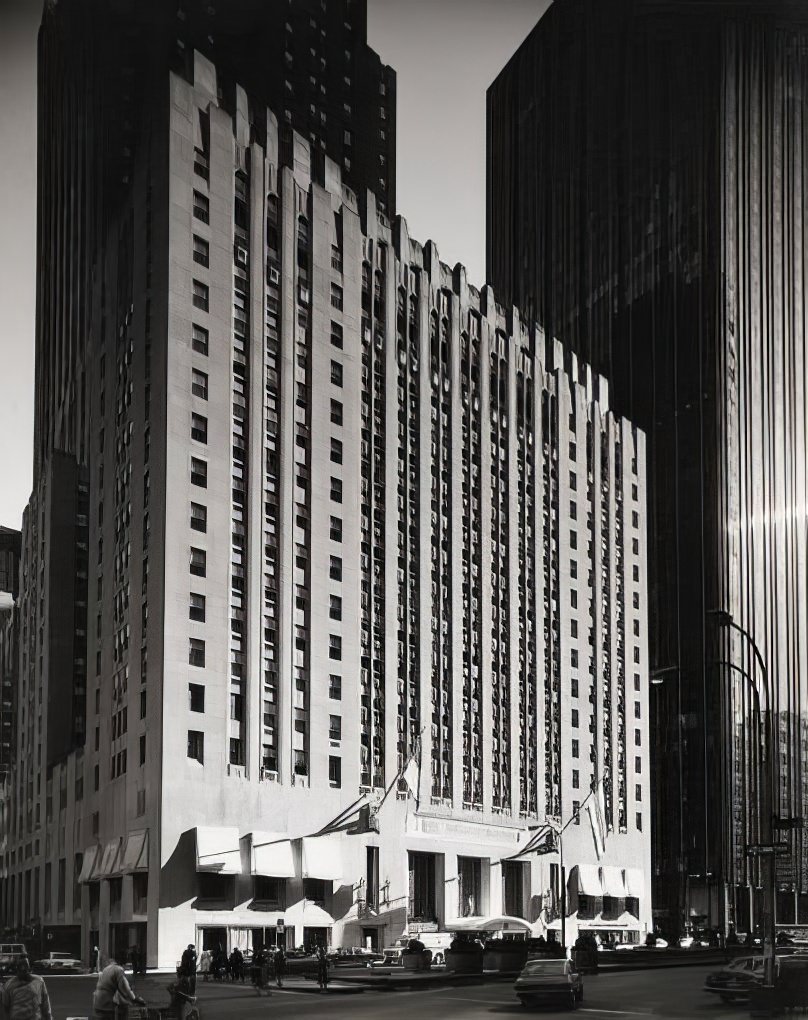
(345,520)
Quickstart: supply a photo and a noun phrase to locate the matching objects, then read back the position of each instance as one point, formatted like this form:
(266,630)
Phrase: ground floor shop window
(422,899)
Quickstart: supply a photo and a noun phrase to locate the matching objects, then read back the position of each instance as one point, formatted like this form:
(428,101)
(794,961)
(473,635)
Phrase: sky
(445,53)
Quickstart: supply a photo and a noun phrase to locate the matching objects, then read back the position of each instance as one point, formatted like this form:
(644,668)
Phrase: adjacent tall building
(646,181)
(365,571)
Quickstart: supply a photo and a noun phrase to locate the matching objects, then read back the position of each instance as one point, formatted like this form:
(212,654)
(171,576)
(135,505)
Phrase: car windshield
(542,967)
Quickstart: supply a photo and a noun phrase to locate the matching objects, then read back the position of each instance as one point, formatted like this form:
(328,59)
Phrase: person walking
(188,966)
(280,966)
(24,996)
(113,989)
(236,964)
(322,968)
(96,960)
(204,964)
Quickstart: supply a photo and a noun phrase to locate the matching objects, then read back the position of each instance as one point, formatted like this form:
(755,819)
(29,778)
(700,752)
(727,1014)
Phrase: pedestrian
(188,966)
(112,989)
(182,1001)
(237,965)
(96,960)
(280,966)
(204,964)
(322,968)
(25,996)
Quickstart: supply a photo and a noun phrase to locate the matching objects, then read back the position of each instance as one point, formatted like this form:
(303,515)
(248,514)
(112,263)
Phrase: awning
(316,917)
(217,850)
(271,855)
(588,878)
(88,862)
(322,857)
(635,883)
(135,855)
(501,922)
(613,884)
(107,859)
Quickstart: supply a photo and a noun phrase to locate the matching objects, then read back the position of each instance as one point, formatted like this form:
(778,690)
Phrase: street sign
(764,849)
(792,822)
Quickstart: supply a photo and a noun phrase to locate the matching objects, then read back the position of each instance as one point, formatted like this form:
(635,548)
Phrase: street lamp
(724,619)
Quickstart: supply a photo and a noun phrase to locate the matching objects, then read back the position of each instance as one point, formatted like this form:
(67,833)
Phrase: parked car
(548,982)
(735,982)
(59,963)
(10,953)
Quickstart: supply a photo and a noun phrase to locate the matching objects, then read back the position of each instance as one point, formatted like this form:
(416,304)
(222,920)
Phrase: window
(199,383)
(574,687)
(335,530)
(574,628)
(199,472)
(335,687)
(575,779)
(336,296)
(573,568)
(237,707)
(336,451)
(200,339)
(335,727)
(638,822)
(199,428)
(335,607)
(574,658)
(196,698)
(636,681)
(638,765)
(336,490)
(635,519)
(336,333)
(142,709)
(201,295)
(196,652)
(576,812)
(573,598)
(198,562)
(334,646)
(574,718)
(638,792)
(336,373)
(637,710)
(201,251)
(573,481)
(573,540)
(638,738)
(143,749)
(196,607)
(236,751)
(334,771)
(196,746)
(199,517)
(201,207)
(575,749)
(335,568)
(635,547)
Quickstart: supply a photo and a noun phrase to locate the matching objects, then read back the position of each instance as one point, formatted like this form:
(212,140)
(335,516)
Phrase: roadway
(673,993)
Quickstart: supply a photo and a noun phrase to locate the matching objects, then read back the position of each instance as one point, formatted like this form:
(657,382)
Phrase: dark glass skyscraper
(646,188)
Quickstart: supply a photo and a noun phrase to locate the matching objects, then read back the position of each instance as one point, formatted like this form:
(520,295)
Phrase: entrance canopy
(135,854)
(635,883)
(271,855)
(106,861)
(217,850)
(316,917)
(588,879)
(613,884)
(501,922)
(322,857)
(89,857)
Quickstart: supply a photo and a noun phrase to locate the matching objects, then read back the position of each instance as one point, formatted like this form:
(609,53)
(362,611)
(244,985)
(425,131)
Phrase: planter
(508,961)
(417,961)
(463,962)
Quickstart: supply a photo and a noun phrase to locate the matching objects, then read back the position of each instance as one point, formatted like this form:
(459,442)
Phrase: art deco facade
(346,515)
(646,179)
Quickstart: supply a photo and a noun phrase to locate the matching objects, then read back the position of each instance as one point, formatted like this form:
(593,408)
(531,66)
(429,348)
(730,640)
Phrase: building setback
(645,205)
(348,519)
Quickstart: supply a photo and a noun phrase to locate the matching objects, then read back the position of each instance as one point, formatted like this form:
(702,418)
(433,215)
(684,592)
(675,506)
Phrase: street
(674,992)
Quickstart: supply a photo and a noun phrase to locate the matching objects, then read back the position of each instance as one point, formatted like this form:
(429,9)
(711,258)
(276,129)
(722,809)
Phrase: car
(10,954)
(736,981)
(59,963)
(545,982)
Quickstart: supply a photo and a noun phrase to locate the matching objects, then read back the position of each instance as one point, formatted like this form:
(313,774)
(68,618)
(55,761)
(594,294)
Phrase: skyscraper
(645,203)
(365,573)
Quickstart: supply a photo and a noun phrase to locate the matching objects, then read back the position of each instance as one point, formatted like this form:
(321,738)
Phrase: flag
(410,776)
(594,809)
(546,841)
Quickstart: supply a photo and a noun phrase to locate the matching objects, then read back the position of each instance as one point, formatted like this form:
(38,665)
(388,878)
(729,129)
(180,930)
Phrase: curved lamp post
(767,797)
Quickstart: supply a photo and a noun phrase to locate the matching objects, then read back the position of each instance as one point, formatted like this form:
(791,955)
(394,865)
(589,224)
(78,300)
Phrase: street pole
(767,798)
(563,892)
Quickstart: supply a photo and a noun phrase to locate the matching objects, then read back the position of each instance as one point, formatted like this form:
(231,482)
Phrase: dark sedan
(549,982)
